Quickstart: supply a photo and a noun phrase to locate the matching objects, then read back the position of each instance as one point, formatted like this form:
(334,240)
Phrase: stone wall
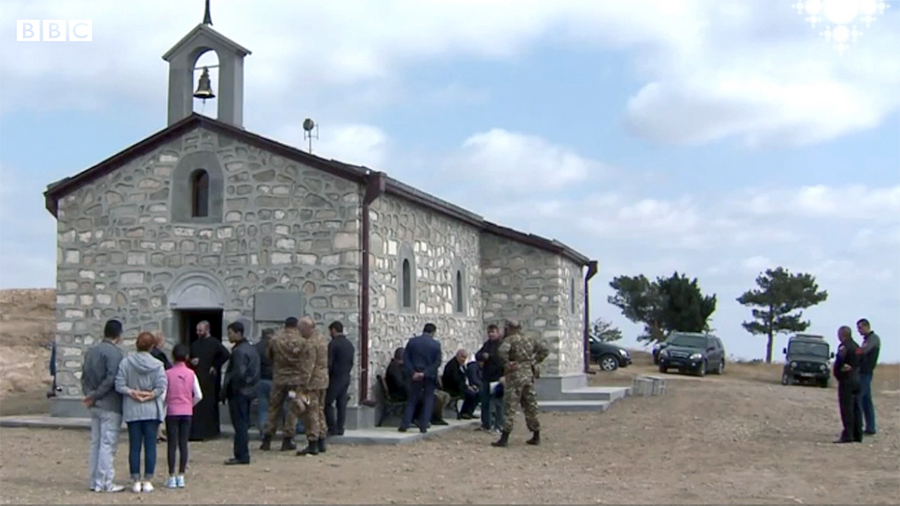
(437,247)
(533,286)
(283,226)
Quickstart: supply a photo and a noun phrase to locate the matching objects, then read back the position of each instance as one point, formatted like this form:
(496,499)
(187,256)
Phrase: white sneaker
(179,481)
(146,487)
(171,482)
(113,488)
(136,487)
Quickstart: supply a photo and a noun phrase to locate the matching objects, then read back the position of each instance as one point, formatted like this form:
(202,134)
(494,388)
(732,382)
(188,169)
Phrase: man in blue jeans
(264,387)
(491,372)
(869,350)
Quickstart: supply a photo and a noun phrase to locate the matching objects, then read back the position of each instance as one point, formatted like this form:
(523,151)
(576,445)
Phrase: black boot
(311,449)
(287,444)
(322,445)
(266,444)
(503,441)
(535,438)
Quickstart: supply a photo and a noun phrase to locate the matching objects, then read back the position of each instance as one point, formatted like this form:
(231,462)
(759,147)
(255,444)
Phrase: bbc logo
(54,30)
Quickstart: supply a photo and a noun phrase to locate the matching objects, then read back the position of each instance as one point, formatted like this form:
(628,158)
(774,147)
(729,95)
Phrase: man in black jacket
(868,359)
(846,372)
(455,381)
(239,388)
(491,373)
(340,363)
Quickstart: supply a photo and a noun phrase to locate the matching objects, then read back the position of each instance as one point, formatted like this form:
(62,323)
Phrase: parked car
(609,356)
(806,359)
(657,347)
(693,352)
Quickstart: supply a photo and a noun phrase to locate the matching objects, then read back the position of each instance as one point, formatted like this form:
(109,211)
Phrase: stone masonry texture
(282,226)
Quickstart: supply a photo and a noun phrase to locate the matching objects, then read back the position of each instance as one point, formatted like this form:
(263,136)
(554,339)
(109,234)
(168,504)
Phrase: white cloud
(712,69)
(849,202)
(507,161)
(356,144)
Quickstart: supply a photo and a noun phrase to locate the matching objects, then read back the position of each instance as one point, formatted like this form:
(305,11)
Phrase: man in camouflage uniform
(284,355)
(520,357)
(313,385)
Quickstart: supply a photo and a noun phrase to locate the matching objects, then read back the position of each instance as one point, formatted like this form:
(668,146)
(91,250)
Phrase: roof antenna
(310,131)
(207,18)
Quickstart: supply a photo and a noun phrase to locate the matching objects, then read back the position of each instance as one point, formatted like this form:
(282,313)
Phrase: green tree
(685,308)
(778,303)
(664,305)
(640,301)
(603,330)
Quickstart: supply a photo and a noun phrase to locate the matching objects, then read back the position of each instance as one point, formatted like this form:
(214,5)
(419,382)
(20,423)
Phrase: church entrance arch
(196,297)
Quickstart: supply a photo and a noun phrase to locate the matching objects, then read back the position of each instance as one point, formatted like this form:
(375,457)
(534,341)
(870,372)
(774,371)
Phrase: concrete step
(594,394)
(567,406)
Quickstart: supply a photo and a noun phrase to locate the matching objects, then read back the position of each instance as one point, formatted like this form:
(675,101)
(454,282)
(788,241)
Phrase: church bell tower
(182,59)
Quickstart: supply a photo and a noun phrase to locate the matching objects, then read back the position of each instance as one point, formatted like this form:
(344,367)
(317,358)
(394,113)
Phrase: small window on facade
(459,292)
(572,296)
(200,194)
(406,283)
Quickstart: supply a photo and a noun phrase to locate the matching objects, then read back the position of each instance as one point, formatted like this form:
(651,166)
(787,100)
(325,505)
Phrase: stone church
(205,220)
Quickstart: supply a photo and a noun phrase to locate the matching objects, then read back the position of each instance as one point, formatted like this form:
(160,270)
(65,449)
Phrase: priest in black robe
(208,355)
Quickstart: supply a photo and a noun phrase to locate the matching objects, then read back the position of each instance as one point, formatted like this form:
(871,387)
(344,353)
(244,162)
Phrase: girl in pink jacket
(183,393)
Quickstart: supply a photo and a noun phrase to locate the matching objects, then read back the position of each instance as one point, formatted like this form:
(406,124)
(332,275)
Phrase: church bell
(204,89)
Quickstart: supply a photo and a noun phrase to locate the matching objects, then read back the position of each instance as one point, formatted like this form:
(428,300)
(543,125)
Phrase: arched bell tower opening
(206,84)
(222,82)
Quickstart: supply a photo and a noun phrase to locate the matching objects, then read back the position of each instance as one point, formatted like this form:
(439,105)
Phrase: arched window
(572,296)
(200,194)
(459,292)
(406,282)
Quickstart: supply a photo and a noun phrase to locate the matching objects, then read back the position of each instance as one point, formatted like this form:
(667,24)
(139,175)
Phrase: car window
(718,342)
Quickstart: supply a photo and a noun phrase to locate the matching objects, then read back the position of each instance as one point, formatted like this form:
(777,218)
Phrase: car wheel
(702,371)
(787,379)
(608,363)
(721,369)
(824,383)
(663,369)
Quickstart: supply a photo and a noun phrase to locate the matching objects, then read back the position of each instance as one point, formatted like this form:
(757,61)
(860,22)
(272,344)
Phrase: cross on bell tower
(182,59)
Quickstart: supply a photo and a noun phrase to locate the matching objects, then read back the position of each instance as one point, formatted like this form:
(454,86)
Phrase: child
(183,394)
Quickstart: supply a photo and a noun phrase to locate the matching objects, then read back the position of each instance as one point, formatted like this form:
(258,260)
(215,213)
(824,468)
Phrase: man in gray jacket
(98,376)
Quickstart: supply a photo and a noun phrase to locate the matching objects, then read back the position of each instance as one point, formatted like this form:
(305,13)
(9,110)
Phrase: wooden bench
(389,406)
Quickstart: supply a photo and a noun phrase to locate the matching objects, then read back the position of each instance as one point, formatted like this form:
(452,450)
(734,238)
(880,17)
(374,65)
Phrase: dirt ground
(741,438)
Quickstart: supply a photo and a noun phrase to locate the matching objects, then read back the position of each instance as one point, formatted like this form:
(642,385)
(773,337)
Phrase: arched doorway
(196,297)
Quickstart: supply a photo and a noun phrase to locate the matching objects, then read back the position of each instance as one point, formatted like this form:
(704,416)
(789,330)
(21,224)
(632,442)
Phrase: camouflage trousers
(520,394)
(276,402)
(314,417)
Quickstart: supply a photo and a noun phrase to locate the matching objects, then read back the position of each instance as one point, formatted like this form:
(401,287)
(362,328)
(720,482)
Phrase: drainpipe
(592,269)
(375,186)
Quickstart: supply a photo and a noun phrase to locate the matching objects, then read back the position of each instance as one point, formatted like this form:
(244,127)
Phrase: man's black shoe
(439,421)
(842,441)
(870,432)
(236,462)
(401,429)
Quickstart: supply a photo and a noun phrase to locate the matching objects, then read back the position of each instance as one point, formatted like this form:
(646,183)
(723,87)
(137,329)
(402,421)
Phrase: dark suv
(692,352)
(609,356)
(806,359)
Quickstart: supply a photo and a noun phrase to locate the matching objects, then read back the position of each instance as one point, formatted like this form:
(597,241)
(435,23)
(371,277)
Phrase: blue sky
(713,137)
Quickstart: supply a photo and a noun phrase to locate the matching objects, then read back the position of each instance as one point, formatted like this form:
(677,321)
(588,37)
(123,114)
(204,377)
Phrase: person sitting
(455,381)
(397,380)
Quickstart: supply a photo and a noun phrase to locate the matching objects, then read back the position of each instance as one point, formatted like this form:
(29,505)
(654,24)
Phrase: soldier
(284,355)
(313,385)
(520,357)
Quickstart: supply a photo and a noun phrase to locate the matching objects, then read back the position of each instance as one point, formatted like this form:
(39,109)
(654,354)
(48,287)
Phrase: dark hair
(845,331)
(268,333)
(482,357)
(291,322)
(863,321)
(237,327)
(492,327)
(337,327)
(145,341)
(180,353)
(112,329)
(429,328)
(398,354)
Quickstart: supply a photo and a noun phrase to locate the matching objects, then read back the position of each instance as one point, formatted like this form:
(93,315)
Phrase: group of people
(144,390)
(504,369)
(854,367)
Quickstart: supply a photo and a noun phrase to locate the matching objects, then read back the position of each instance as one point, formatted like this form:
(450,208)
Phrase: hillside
(26,330)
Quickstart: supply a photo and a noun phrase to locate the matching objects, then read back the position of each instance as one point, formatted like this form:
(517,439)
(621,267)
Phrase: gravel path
(712,441)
